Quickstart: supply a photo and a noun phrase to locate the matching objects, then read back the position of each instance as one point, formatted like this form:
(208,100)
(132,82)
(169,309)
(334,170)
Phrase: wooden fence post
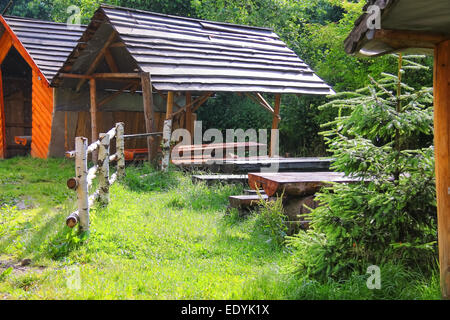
(167,137)
(120,150)
(81,171)
(103,166)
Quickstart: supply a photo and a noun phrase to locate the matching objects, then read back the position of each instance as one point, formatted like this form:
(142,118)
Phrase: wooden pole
(2,120)
(274,136)
(189,114)
(167,133)
(149,115)
(66,135)
(103,167)
(442,150)
(81,172)
(120,150)
(94,132)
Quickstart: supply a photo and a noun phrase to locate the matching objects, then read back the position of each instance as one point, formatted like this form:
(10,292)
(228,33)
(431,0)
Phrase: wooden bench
(246,201)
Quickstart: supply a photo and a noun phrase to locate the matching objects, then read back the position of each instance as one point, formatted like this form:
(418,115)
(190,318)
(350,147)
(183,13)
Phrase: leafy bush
(383,137)
(271,220)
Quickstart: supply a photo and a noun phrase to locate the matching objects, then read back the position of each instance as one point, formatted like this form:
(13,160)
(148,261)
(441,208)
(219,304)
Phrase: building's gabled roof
(184,54)
(412,17)
(48,43)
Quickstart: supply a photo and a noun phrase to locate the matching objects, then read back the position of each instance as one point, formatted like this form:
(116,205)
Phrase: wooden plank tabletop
(295,183)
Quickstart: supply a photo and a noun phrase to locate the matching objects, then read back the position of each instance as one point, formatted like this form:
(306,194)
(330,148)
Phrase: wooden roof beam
(98,59)
(259,99)
(401,39)
(199,101)
(101,76)
(111,61)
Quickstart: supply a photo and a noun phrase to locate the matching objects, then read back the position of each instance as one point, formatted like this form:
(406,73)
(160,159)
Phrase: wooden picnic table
(295,183)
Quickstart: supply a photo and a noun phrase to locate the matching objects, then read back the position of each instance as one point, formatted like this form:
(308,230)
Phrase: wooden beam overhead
(110,61)
(109,76)
(200,100)
(259,99)
(119,75)
(98,58)
(403,39)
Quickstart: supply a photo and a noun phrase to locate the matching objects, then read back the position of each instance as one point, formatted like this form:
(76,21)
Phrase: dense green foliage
(384,137)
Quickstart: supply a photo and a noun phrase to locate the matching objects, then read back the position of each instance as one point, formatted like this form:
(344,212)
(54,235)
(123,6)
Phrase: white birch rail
(84,177)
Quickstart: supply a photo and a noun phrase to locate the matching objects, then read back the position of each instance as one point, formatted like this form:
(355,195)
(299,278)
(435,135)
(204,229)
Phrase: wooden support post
(167,133)
(442,151)
(2,121)
(120,150)
(103,167)
(81,172)
(274,137)
(189,124)
(149,115)
(94,132)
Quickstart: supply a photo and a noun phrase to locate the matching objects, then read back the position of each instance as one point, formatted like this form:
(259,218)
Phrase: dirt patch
(20,267)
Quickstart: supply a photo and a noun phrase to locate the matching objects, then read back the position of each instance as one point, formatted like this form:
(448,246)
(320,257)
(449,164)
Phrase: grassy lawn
(162,237)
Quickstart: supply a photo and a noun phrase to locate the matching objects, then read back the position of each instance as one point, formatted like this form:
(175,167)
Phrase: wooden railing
(84,177)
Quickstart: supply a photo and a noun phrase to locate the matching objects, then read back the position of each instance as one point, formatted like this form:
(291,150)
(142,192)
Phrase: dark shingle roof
(48,43)
(184,54)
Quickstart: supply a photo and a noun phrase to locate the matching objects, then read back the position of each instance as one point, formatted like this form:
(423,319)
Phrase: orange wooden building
(31,52)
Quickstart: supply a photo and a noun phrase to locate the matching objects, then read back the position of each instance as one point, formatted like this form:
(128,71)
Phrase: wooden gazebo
(418,26)
(150,67)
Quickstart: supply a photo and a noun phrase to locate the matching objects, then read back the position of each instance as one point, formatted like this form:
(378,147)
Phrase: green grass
(162,237)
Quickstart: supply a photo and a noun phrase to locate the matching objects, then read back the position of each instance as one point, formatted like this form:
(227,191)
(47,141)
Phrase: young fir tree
(383,135)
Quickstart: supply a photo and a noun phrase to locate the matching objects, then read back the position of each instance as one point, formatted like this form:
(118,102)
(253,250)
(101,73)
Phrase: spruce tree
(383,135)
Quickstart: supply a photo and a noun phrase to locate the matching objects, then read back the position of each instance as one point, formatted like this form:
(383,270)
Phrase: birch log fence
(84,177)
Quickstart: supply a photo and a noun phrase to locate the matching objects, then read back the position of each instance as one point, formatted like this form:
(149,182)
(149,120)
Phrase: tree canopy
(314,29)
